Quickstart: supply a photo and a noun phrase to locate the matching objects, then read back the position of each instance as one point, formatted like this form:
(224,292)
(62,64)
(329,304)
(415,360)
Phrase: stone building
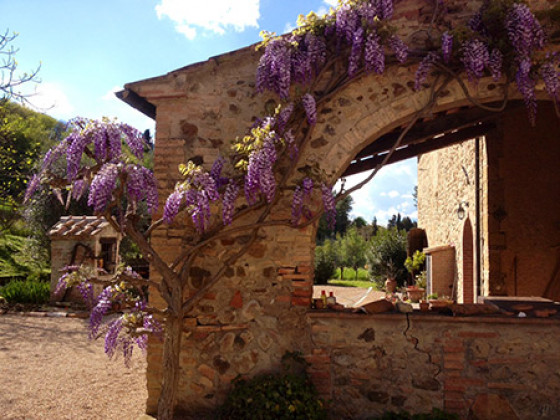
(77,240)
(362,364)
(492,200)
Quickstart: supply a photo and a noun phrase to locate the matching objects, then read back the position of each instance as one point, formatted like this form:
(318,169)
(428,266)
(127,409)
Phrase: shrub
(26,291)
(324,263)
(387,254)
(289,395)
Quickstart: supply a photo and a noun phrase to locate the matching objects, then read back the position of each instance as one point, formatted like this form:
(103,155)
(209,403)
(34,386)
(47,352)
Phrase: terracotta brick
(301,301)
(236,300)
(316,359)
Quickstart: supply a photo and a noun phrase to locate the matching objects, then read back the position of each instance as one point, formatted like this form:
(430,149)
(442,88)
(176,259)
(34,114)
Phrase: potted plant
(415,265)
(391,274)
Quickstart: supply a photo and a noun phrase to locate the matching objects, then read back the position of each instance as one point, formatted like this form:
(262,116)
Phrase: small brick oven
(79,240)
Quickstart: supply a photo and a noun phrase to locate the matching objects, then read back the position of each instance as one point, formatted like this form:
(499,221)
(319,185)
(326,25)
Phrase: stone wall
(258,311)
(480,368)
(446,179)
(519,221)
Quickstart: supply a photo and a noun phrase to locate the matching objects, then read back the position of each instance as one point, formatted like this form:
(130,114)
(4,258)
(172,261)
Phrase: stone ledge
(422,317)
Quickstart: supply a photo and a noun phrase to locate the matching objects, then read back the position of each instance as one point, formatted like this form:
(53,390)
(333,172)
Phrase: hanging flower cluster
(254,157)
(194,193)
(114,165)
(502,38)
(123,332)
(257,154)
(358,25)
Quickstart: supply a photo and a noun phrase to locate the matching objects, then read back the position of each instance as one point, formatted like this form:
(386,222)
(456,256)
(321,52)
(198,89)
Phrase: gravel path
(50,370)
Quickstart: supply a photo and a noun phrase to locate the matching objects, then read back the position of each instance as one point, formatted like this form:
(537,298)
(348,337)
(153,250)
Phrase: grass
(352,283)
(349,278)
(350,274)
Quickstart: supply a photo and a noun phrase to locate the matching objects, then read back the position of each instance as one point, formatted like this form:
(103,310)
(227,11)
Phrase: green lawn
(352,283)
(349,278)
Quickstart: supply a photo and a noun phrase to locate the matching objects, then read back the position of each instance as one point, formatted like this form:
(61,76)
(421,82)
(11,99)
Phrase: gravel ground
(50,370)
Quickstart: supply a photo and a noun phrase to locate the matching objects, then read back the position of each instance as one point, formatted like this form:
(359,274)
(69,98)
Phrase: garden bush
(26,291)
(288,395)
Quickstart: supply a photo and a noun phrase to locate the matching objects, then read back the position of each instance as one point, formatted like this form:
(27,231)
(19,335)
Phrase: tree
(354,246)
(342,221)
(386,255)
(324,262)
(401,223)
(264,164)
(359,222)
(10,81)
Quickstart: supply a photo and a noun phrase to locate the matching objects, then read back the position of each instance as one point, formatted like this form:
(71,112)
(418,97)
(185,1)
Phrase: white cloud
(387,194)
(289,27)
(110,95)
(210,15)
(51,99)
(332,3)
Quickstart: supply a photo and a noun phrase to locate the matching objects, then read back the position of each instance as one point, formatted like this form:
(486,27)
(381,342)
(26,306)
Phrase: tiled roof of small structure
(74,226)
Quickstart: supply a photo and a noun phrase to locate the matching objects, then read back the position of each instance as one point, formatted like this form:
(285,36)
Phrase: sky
(88,49)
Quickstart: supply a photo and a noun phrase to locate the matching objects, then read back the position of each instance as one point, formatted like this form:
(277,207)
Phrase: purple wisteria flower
(228,204)
(134,139)
(524,31)
(32,187)
(79,187)
(475,58)
(316,51)
(551,79)
(385,9)
(374,56)
(102,187)
(356,52)
(112,339)
(297,204)
(274,69)
(284,116)
(307,184)
(76,146)
(424,69)
(329,204)
(310,107)
(446,46)
(173,206)
(290,140)
(495,63)
(399,48)
(86,291)
(104,303)
(526,86)
(141,185)
(347,20)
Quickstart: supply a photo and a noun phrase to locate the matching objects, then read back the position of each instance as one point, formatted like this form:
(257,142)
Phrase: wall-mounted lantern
(463,206)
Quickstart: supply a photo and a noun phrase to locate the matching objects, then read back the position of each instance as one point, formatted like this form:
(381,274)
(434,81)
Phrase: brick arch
(374,105)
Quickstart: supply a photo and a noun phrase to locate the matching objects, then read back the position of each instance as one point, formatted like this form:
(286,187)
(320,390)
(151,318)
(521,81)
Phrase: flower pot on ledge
(415,293)
(390,285)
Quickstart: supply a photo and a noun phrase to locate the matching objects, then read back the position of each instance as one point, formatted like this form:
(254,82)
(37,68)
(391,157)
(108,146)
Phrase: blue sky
(88,49)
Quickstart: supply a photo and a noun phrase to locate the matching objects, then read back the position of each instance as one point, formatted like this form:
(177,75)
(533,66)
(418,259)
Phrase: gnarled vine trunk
(170,365)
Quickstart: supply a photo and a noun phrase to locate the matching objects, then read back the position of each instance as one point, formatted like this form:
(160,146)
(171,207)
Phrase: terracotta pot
(390,285)
(424,306)
(415,293)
